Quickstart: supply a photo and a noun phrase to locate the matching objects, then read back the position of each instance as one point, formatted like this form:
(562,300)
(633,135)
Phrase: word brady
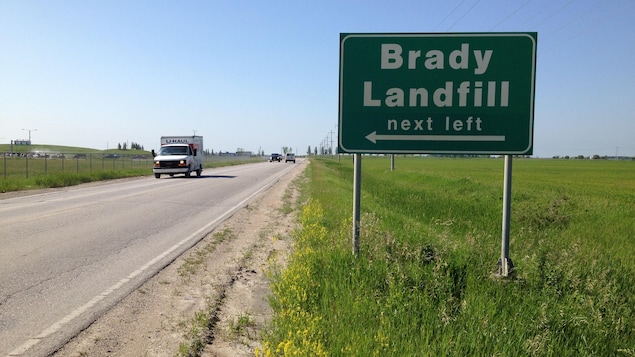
(391,58)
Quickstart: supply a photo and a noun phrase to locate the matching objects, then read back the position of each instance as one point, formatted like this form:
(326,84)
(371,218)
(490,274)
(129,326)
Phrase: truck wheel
(198,172)
(157,175)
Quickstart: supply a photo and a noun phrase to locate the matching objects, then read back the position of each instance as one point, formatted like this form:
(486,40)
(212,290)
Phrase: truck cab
(179,155)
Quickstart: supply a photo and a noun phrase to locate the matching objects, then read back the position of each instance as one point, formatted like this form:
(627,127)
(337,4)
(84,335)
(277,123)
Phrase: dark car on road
(275,157)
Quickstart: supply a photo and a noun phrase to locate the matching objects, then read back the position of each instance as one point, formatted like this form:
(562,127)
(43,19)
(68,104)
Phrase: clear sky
(259,75)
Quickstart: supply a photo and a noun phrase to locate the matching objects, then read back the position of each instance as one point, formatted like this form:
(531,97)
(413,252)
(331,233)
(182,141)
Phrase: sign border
(529,148)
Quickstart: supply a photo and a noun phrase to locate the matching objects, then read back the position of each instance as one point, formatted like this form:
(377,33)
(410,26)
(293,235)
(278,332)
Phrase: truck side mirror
(195,150)
(154,154)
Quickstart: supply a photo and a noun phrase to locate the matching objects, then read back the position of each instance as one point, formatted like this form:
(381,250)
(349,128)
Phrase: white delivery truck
(179,155)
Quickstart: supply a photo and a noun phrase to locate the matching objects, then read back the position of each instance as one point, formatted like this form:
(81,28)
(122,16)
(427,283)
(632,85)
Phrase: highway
(68,255)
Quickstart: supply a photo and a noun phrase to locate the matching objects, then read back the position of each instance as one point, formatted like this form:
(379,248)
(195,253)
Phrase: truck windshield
(173,150)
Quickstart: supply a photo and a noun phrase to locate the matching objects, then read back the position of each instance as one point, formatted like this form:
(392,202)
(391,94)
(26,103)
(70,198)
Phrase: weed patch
(192,264)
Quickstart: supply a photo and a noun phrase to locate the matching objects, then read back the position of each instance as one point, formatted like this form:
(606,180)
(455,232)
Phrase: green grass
(67,166)
(424,282)
(20,173)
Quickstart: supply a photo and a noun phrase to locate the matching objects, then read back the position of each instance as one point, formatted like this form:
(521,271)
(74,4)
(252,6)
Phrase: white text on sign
(468,93)
(456,125)
(391,58)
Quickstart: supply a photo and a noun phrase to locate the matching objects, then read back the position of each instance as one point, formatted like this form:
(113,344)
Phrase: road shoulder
(223,276)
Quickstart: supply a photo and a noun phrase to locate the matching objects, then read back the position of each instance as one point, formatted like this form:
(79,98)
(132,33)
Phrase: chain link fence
(36,164)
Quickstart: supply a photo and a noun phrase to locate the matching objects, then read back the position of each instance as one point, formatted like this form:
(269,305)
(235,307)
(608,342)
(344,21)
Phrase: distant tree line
(594,157)
(133,146)
(323,150)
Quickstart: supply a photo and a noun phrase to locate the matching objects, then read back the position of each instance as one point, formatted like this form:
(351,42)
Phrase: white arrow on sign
(374,137)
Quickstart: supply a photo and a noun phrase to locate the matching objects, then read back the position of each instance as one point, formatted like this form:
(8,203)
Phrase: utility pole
(29,130)
(331,142)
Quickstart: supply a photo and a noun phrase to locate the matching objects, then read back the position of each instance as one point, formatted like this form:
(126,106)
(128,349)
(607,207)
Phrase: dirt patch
(223,276)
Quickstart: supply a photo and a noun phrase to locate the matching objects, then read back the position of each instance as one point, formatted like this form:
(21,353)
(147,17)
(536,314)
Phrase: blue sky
(260,75)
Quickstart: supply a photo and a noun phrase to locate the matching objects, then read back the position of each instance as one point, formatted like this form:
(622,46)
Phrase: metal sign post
(505,263)
(357,184)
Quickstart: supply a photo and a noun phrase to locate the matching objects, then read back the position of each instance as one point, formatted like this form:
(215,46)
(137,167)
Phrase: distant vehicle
(179,155)
(275,157)
(289,157)
(111,156)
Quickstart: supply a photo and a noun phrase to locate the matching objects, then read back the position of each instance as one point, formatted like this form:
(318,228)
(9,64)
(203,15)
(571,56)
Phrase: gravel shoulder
(215,295)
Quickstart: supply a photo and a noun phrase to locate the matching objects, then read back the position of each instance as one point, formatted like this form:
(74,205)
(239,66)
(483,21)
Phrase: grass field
(424,282)
(60,166)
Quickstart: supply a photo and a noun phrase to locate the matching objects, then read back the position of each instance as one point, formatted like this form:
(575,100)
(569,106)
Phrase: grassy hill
(58,149)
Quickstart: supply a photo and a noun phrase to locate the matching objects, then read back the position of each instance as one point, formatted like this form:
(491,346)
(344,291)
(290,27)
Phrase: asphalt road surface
(67,256)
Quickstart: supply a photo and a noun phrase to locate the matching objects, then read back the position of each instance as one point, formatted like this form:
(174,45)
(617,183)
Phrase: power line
(555,12)
(448,15)
(510,15)
(522,26)
(461,18)
(588,26)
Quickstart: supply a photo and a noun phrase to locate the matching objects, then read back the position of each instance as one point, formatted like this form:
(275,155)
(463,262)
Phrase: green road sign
(455,93)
